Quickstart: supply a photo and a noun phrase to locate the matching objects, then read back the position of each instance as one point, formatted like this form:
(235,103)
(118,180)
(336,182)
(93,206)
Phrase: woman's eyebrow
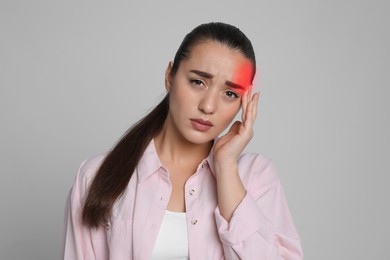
(235,85)
(202,74)
(210,76)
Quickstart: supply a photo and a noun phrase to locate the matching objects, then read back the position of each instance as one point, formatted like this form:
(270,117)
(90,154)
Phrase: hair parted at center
(120,163)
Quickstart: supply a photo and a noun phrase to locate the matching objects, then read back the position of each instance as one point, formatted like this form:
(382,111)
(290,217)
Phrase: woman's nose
(208,103)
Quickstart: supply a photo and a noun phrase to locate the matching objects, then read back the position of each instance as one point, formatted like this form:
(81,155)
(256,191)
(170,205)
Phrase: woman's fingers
(246,98)
(251,110)
(256,104)
(244,103)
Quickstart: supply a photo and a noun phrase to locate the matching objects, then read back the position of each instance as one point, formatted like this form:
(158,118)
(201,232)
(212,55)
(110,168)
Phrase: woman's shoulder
(88,169)
(85,174)
(92,164)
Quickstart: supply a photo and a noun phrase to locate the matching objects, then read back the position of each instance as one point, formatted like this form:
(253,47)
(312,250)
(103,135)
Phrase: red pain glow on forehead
(243,75)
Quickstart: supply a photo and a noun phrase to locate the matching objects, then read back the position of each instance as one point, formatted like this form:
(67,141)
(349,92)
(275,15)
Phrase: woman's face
(206,91)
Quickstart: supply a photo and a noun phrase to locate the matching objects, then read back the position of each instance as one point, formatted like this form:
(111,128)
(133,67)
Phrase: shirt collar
(150,162)
(210,158)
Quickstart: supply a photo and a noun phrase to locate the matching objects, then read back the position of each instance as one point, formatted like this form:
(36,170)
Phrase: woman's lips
(201,125)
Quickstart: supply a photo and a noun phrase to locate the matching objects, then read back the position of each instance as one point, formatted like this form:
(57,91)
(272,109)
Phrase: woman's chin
(199,138)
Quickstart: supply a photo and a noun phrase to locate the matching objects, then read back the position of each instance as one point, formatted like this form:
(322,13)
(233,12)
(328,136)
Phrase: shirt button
(192,192)
(194,221)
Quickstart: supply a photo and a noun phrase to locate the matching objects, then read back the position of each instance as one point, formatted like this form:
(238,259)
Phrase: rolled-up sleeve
(261,226)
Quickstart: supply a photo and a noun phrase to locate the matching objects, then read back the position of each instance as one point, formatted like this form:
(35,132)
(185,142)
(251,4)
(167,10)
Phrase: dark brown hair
(117,168)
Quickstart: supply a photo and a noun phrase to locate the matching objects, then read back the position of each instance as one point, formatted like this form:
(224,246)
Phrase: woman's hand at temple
(226,151)
(228,147)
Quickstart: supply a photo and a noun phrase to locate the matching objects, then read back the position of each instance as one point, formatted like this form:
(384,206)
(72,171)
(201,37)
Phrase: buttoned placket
(193,210)
(191,196)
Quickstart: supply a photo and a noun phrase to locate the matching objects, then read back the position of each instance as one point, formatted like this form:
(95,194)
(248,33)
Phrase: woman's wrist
(230,188)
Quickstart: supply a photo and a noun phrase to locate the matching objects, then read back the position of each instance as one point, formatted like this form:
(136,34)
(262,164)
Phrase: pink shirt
(261,226)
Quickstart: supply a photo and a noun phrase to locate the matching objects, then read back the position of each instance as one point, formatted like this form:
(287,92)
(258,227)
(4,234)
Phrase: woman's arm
(261,226)
(80,242)
(226,152)
(253,221)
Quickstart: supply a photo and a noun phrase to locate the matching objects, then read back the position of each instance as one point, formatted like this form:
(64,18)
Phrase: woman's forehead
(219,60)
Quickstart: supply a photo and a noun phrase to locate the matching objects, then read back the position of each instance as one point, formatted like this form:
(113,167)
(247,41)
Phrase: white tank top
(172,239)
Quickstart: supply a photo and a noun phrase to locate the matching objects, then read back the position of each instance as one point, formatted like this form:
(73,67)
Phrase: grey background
(74,75)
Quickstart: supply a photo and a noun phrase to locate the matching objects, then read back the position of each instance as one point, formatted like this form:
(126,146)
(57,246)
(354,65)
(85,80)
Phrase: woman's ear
(168,76)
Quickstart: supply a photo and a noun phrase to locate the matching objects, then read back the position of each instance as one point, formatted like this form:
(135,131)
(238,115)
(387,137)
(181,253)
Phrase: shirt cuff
(246,221)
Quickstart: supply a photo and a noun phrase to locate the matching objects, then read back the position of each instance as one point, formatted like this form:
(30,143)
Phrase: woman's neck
(173,148)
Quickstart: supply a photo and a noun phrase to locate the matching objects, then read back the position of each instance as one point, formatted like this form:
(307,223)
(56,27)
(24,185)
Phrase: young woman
(170,188)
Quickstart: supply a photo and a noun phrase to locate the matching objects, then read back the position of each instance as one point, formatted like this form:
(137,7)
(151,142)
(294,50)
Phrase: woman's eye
(231,94)
(197,82)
